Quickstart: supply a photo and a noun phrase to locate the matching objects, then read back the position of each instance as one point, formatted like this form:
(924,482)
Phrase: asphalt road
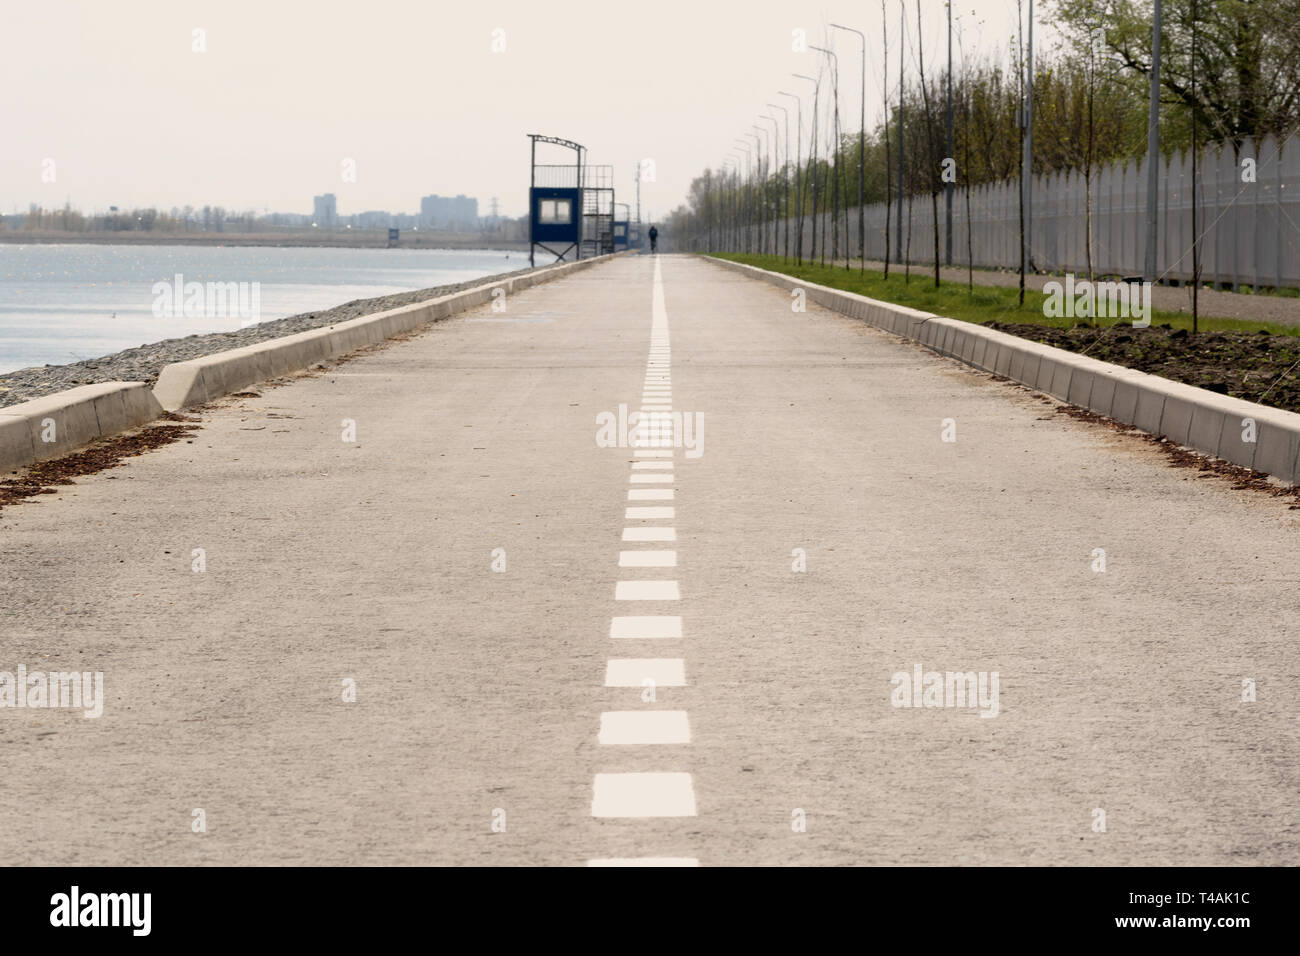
(501,716)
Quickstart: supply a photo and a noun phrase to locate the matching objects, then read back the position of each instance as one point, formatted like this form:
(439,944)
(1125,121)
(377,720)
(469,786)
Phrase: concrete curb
(200,380)
(71,419)
(80,415)
(1205,421)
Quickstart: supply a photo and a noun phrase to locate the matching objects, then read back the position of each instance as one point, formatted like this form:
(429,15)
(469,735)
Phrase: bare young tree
(889,197)
(1020,162)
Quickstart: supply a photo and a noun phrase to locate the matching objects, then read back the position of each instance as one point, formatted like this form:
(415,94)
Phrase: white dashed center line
(646,591)
(649,534)
(650,494)
(631,727)
(647,559)
(646,627)
(643,795)
(649,513)
(648,794)
(635,671)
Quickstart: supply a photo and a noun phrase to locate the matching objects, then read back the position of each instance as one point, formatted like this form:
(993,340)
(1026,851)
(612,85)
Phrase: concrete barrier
(56,424)
(200,380)
(1206,421)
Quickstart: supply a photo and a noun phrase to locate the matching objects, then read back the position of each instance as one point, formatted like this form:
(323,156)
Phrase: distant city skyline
(444,213)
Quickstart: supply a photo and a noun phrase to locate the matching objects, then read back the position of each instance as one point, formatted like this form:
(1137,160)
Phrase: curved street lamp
(862,131)
(812,158)
(798,170)
(785,174)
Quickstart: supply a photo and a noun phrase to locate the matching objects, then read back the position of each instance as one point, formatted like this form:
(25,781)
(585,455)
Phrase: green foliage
(980,305)
(1090,103)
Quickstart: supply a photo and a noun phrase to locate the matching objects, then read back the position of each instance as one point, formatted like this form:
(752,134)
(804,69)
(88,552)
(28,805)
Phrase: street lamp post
(776,150)
(761,144)
(785,175)
(733,200)
(948,186)
(744,144)
(862,169)
(812,159)
(757,187)
(798,168)
(728,169)
(898,236)
(835,158)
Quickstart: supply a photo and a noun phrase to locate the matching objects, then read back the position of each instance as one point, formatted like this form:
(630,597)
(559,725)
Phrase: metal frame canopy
(555,202)
(597,232)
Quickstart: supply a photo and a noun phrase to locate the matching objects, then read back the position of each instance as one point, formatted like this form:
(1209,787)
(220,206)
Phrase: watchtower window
(555,211)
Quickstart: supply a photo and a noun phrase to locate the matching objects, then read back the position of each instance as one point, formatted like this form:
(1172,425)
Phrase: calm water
(61,303)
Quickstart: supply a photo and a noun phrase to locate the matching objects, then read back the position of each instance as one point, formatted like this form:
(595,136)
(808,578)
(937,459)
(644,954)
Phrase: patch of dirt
(1257,367)
(43,478)
(1241,479)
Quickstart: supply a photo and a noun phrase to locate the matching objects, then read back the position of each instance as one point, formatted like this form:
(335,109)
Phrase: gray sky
(286,91)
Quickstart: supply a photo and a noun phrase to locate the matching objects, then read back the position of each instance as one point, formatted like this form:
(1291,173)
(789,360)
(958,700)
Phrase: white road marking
(643,795)
(647,559)
(648,514)
(634,671)
(650,494)
(650,794)
(635,728)
(649,534)
(647,591)
(646,627)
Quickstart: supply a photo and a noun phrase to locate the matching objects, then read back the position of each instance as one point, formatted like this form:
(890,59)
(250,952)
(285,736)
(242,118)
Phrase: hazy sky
(113,92)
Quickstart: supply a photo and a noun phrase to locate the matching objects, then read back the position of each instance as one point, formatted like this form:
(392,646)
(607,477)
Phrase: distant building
(445,212)
(373,219)
(325,211)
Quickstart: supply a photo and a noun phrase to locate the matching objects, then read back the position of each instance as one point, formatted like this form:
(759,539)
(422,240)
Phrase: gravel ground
(142,364)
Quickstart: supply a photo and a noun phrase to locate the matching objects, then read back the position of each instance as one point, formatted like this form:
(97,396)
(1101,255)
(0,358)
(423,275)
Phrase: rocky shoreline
(143,363)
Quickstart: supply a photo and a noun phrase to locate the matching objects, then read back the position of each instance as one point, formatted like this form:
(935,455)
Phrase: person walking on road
(654,238)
